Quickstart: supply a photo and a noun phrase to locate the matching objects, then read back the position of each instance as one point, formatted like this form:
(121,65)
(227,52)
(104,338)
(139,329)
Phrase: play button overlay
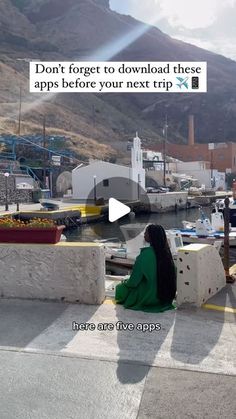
(119,202)
(117,210)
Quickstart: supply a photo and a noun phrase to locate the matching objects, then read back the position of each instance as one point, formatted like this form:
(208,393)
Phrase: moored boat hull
(191,237)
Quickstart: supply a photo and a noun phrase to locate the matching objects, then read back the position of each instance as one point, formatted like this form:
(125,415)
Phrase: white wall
(120,181)
(24,179)
(138,176)
(150,155)
(201,171)
(120,185)
(192,165)
(83,177)
(203,176)
(219,179)
(197,169)
(166,202)
(137,171)
(72,272)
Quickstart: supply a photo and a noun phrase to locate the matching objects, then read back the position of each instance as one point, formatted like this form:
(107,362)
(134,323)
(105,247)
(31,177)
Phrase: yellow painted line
(109,301)
(77,244)
(47,212)
(219,308)
(89,214)
(8,213)
(59,244)
(232,269)
(82,211)
(86,209)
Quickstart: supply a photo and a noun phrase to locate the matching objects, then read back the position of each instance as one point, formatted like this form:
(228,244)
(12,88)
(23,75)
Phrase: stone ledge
(200,274)
(73,272)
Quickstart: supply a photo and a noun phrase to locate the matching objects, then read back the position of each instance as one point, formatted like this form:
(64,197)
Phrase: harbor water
(107,230)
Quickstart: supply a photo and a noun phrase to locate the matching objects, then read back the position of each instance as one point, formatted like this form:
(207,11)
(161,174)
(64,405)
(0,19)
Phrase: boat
(189,225)
(120,256)
(206,231)
(49,205)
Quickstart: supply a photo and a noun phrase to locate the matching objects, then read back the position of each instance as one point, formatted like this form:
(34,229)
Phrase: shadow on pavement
(39,324)
(139,346)
(22,321)
(195,336)
(187,337)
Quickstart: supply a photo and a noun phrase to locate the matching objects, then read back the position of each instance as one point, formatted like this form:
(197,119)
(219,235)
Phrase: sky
(209,24)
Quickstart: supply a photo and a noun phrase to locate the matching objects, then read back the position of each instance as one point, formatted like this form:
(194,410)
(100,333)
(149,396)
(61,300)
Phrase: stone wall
(162,202)
(200,274)
(73,272)
(14,194)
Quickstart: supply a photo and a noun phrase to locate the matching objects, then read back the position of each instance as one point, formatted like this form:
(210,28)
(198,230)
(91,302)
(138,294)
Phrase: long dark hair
(166,272)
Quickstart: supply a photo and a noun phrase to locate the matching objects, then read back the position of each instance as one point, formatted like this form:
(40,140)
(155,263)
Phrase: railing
(31,173)
(8,156)
(187,184)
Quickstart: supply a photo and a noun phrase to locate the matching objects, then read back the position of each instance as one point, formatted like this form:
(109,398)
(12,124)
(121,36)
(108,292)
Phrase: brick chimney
(191,130)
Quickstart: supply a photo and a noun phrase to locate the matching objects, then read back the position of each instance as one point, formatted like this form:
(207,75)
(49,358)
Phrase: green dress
(139,292)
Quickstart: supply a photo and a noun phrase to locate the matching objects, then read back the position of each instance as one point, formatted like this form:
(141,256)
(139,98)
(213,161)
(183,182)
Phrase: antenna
(164,150)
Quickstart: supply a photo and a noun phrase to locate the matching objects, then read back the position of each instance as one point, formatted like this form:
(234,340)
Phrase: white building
(152,155)
(152,158)
(201,171)
(101,179)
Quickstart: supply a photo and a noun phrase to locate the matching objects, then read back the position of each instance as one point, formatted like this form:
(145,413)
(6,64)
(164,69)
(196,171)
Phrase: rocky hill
(102,124)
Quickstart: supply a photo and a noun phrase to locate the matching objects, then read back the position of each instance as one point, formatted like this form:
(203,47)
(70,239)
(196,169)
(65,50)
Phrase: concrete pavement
(224,300)
(42,387)
(184,370)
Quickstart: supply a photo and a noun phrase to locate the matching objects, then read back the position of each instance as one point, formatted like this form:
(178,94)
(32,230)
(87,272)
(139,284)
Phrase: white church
(101,179)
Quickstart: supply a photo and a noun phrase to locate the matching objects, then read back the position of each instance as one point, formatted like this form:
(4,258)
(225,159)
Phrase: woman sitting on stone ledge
(152,284)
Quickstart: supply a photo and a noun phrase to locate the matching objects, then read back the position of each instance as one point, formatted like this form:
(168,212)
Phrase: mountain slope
(73,30)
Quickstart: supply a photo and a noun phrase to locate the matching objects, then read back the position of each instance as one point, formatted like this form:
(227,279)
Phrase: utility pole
(211,147)
(6,191)
(230,279)
(19,117)
(44,152)
(94,189)
(165,138)
(212,179)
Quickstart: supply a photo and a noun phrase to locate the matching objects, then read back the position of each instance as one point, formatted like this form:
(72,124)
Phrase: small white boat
(204,231)
(49,204)
(122,255)
(189,225)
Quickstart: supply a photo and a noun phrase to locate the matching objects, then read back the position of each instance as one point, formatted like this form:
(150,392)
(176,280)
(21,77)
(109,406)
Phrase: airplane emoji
(183,82)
